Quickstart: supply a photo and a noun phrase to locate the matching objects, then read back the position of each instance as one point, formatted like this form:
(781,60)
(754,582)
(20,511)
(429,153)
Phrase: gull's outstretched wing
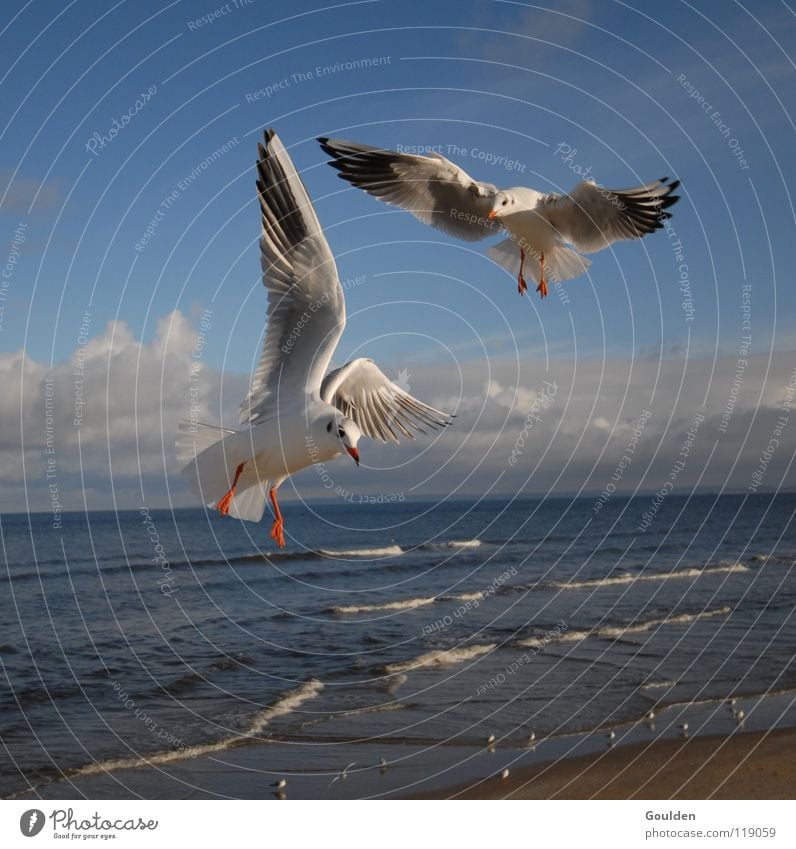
(362,391)
(432,188)
(591,217)
(306,306)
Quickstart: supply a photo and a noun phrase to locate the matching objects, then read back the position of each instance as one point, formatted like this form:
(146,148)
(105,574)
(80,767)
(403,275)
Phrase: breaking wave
(406,603)
(443,657)
(384,551)
(657,576)
(289,702)
(454,543)
(615,631)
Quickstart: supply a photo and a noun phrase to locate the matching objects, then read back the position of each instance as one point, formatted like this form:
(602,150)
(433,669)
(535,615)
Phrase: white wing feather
(362,391)
(306,306)
(591,217)
(432,188)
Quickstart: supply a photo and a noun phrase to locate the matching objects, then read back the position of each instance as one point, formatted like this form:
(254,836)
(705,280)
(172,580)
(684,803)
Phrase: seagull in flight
(296,413)
(547,232)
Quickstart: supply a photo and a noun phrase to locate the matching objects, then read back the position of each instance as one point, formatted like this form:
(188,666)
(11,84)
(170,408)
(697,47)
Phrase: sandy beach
(719,760)
(752,765)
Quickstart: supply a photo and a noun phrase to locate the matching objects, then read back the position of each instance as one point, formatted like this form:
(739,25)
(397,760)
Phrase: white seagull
(440,193)
(297,414)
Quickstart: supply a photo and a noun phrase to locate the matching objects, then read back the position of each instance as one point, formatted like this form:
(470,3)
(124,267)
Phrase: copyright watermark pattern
(595,549)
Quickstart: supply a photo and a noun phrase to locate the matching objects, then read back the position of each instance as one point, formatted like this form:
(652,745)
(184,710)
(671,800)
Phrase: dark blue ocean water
(422,623)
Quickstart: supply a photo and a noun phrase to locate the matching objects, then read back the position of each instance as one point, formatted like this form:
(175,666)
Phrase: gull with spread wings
(440,193)
(297,413)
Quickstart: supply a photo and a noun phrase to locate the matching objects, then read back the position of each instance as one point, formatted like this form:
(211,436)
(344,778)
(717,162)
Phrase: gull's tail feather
(249,503)
(194,437)
(560,263)
(210,455)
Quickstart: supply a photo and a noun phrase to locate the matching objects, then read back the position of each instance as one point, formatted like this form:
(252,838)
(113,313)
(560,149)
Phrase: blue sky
(613,82)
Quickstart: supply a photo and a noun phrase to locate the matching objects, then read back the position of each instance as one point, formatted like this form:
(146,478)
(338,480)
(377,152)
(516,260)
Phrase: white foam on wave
(539,642)
(384,551)
(289,702)
(659,685)
(614,631)
(395,682)
(681,619)
(405,604)
(444,657)
(657,576)
(773,558)
(454,543)
(476,596)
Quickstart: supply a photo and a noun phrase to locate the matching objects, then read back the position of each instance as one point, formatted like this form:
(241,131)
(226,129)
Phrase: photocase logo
(31,822)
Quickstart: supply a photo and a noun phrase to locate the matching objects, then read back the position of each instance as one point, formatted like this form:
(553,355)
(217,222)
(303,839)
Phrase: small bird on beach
(739,715)
(443,195)
(490,739)
(280,785)
(531,737)
(341,776)
(297,414)
(684,728)
(611,735)
(505,774)
(651,715)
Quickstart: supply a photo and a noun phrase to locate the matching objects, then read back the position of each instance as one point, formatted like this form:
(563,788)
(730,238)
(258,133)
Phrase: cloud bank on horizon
(97,430)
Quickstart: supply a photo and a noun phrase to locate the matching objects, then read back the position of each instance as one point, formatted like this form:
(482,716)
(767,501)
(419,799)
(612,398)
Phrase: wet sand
(751,765)
(648,760)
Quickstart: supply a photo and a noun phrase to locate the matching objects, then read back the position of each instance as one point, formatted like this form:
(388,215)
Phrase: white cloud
(135,392)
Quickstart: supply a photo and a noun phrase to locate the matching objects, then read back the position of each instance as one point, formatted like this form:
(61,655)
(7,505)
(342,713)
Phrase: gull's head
(504,203)
(345,433)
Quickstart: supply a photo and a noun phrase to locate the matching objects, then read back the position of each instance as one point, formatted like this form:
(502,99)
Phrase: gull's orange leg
(226,500)
(521,284)
(278,529)
(542,287)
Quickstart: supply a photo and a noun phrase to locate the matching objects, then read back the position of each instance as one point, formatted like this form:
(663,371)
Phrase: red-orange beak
(492,214)
(354,453)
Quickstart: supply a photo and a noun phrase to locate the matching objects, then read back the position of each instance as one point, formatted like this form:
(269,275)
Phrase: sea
(182,649)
